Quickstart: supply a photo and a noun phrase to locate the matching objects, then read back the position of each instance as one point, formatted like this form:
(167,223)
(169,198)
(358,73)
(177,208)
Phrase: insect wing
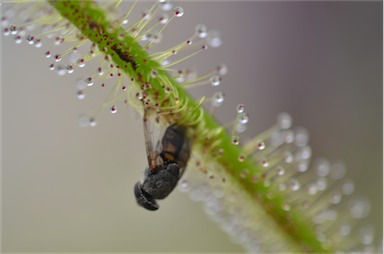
(152,137)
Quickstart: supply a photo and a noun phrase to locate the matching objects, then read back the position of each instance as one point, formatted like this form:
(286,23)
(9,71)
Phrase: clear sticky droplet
(218,99)
(215,80)
(183,185)
(322,167)
(201,31)
(179,11)
(89,81)
(240,108)
(243,118)
(80,94)
(336,197)
(260,145)
(302,165)
(165,5)
(92,122)
(80,62)
(244,173)
(301,137)
(284,121)
(240,128)
(60,70)
(58,58)
(113,109)
(69,69)
(235,140)
(265,163)
(241,157)
(359,208)
(280,170)
(73,57)
(338,170)
(214,39)
(222,69)
(84,121)
(294,184)
(163,18)
(348,187)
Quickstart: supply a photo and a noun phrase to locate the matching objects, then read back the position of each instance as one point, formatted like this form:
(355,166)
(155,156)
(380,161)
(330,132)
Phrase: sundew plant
(251,167)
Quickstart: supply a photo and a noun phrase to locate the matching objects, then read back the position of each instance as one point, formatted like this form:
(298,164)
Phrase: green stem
(128,54)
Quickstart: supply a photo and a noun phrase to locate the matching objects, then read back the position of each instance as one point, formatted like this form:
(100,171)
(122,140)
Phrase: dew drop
(284,121)
(201,31)
(51,67)
(179,11)
(113,109)
(213,39)
(240,108)
(48,54)
(215,80)
(235,140)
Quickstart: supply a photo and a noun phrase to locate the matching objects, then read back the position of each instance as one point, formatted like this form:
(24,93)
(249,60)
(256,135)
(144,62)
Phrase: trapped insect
(167,159)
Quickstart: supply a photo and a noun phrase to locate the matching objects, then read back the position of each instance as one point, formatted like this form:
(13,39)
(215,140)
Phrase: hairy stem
(125,51)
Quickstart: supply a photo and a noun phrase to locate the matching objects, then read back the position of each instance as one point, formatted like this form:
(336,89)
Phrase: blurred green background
(66,188)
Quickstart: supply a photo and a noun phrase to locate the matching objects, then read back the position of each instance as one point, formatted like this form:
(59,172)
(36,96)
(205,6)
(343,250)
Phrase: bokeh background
(67,188)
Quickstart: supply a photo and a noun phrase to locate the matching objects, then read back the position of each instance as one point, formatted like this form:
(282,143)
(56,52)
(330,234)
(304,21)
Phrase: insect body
(166,164)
